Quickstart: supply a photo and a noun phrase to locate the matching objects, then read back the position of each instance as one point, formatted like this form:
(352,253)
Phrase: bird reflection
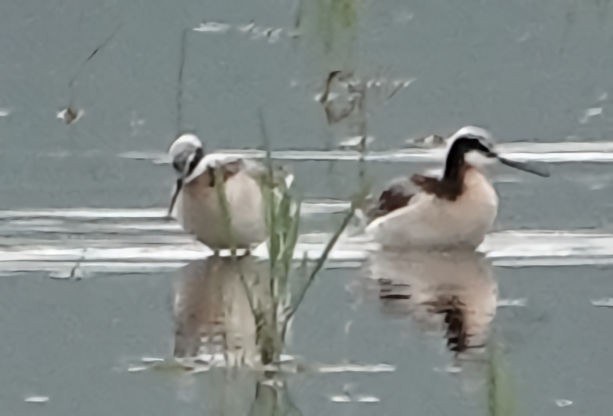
(243,393)
(213,316)
(272,398)
(451,292)
(212,310)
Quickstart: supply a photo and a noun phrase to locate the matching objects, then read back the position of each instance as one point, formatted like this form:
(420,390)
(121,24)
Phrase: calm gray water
(94,193)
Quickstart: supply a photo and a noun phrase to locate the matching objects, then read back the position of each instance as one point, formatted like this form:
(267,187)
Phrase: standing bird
(457,209)
(196,199)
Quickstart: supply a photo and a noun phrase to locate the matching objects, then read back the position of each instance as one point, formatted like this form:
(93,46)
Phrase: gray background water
(525,70)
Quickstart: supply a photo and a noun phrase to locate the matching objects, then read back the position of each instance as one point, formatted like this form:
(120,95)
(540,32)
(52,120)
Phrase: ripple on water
(557,152)
(36,399)
(142,240)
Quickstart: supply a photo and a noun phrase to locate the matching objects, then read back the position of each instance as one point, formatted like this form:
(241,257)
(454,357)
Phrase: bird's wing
(281,175)
(397,194)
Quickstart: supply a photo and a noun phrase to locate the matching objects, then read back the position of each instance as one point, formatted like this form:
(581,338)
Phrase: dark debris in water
(70,115)
(431,141)
(269,33)
(344,96)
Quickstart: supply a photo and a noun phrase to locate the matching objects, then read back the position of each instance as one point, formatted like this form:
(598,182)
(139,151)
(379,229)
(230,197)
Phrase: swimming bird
(196,199)
(456,209)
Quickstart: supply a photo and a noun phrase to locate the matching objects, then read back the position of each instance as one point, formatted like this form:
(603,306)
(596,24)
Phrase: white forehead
(185,141)
(472,131)
(484,135)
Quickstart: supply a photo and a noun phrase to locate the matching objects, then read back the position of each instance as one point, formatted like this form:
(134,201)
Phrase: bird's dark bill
(533,168)
(175,194)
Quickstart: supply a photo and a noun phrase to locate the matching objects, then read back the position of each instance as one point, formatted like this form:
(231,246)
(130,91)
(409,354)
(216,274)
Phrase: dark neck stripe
(198,155)
(454,165)
(451,185)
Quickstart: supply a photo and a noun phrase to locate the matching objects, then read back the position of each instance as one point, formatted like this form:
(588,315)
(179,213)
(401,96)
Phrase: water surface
(91,271)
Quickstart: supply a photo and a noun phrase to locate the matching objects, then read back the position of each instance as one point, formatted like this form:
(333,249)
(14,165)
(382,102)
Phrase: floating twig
(71,114)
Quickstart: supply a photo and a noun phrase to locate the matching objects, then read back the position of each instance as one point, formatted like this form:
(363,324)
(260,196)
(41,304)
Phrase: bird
(456,209)
(234,222)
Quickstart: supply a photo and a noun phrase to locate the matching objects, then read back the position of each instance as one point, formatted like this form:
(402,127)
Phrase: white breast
(432,221)
(201,214)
